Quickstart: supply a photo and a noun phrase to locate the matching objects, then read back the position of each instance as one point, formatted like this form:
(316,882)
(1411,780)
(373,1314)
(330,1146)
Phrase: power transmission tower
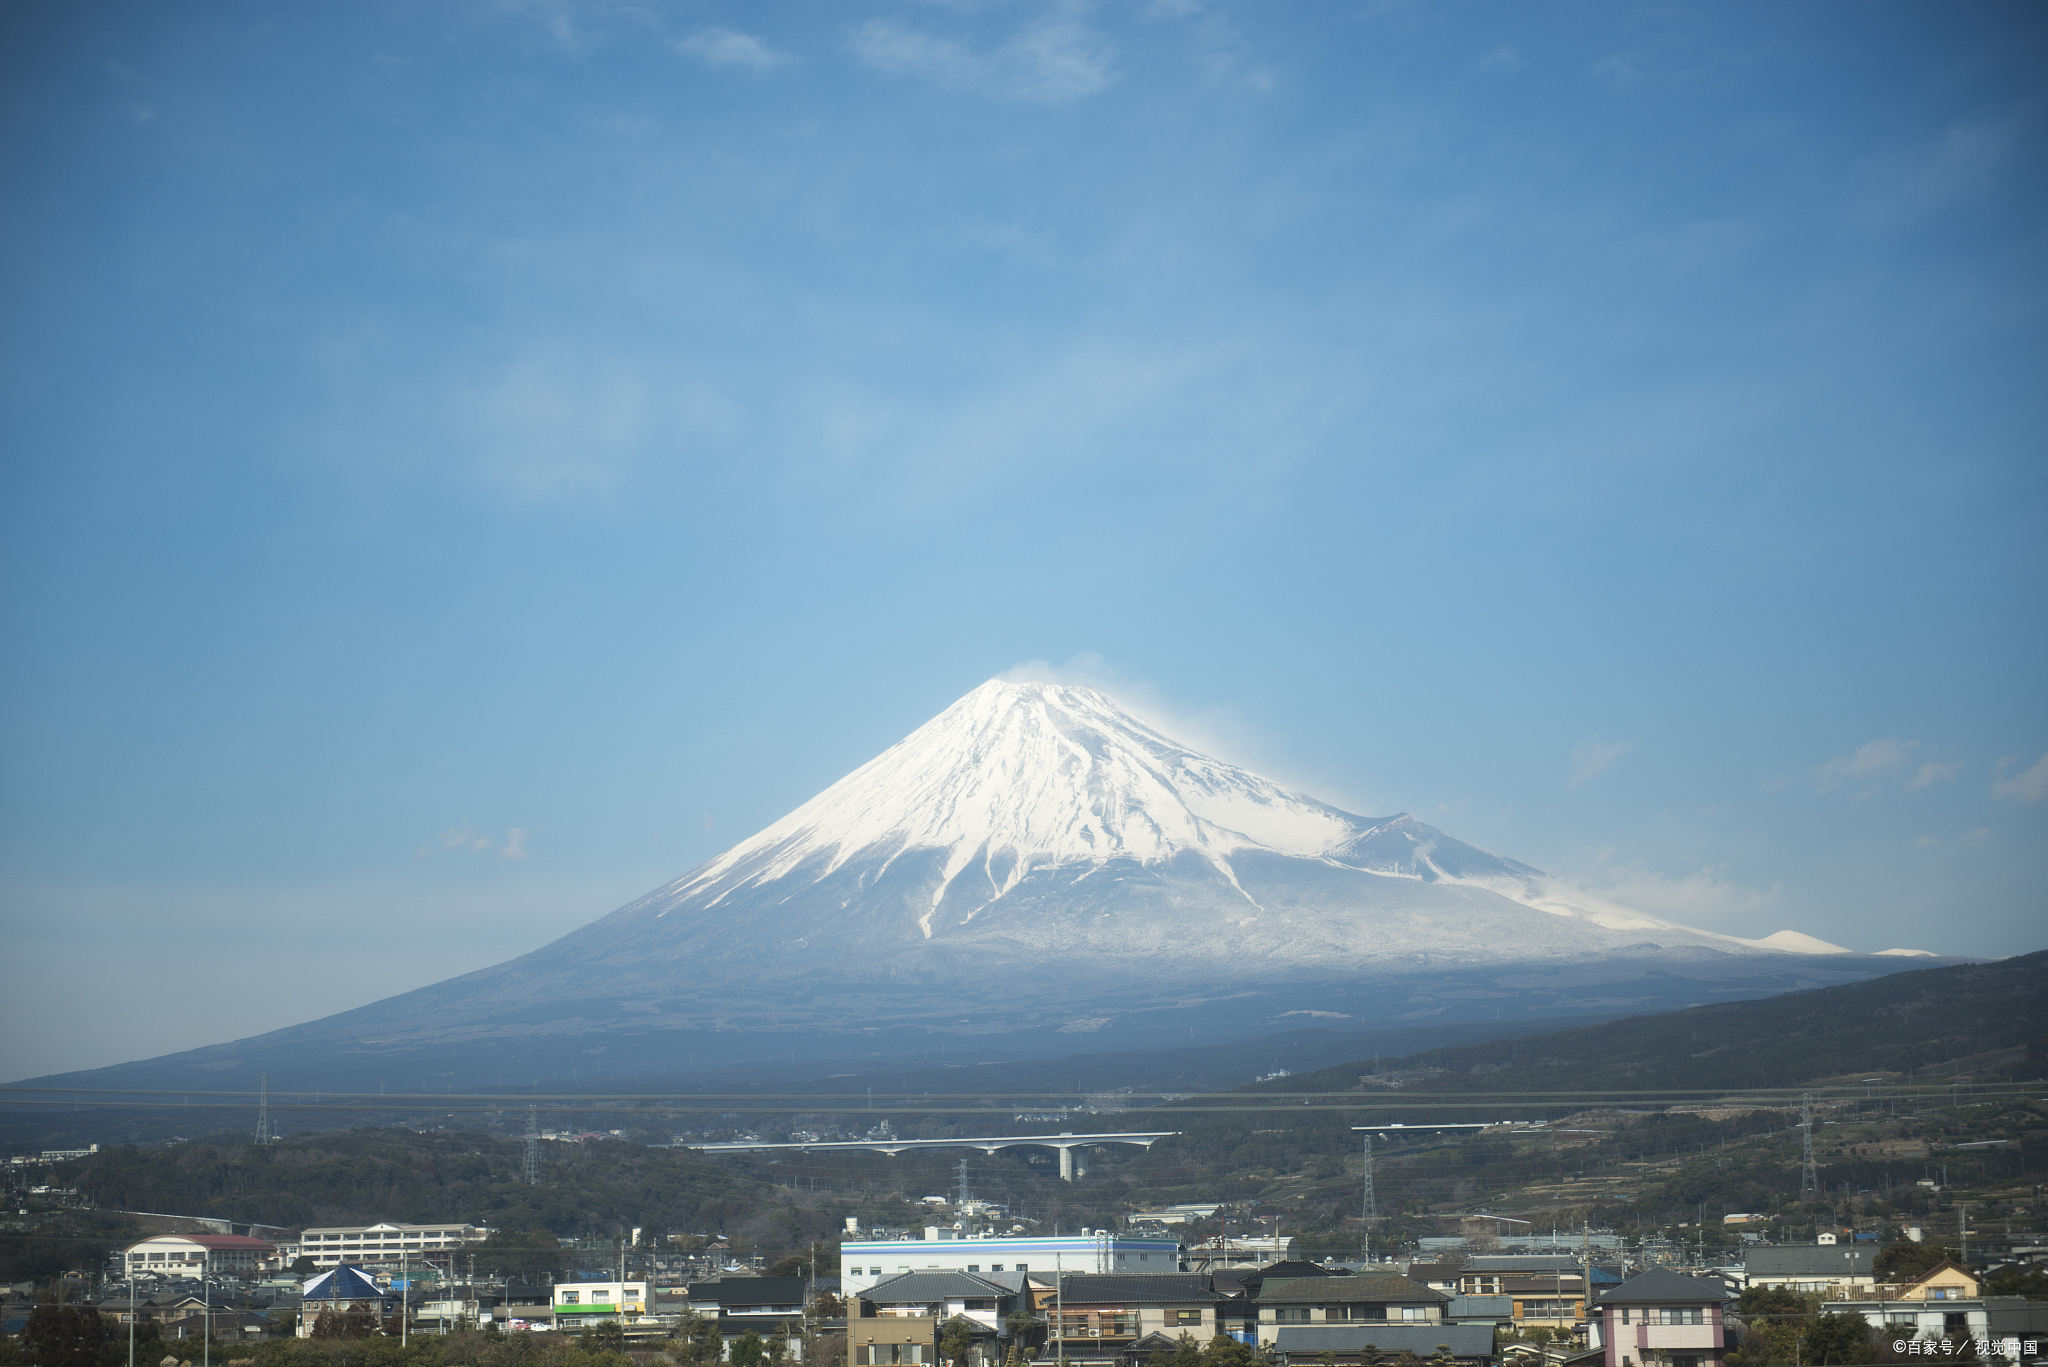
(263,1134)
(963,1186)
(1369,1204)
(1809,1175)
(533,1146)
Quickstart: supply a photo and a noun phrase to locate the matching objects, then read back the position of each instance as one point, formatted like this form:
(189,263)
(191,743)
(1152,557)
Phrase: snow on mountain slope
(1020,783)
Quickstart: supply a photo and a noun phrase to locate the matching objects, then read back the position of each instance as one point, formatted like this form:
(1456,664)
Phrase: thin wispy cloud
(2028,785)
(1932,773)
(1055,58)
(1703,897)
(1870,761)
(726,47)
(466,839)
(1592,758)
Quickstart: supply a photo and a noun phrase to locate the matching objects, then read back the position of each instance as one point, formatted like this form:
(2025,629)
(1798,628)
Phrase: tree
(748,1350)
(1442,1356)
(2031,1282)
(1832,1340)
(358,1323)
(303,1266)
(956,1341)
(1369,1356)
(1225,1351)
(523,1253)
(1186,1353)
(609,1337)
(1902,1259)
(64,1336)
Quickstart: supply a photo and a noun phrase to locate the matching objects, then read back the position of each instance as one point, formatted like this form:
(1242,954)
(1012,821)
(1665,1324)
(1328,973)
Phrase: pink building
(1661,1319)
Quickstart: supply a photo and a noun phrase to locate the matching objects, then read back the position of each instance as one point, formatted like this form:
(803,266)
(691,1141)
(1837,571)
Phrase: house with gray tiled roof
(1660,1319)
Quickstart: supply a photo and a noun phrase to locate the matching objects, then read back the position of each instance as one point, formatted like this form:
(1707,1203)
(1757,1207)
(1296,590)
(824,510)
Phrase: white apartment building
(863,1262)
(594,1302)
(198,1255)
(385,1243)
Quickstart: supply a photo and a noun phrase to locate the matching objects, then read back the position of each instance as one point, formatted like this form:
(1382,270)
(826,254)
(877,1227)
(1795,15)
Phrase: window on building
(1144,1257)
(1187,1317)
(995,1267)
(1023,1267)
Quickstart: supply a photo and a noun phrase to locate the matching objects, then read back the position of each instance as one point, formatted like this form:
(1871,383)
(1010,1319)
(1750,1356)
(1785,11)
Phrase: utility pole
(1059,1313)
(1963,1231)
(1369,1205)
(1809,1175)
(404,1290)
(533,1146)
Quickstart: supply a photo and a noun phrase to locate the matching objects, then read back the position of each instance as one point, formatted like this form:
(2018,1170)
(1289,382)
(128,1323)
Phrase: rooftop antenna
(532,1146)
(1809,1175)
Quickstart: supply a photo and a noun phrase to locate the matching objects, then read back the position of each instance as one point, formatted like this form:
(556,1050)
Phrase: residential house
(1445,1276)
(340,1291)
(1828,1269)
(1947,1302)
(1498,1311)
(986,1301)
(1374,1298)
(892,1340)
(1551,1302)
(1346,1345)
(1101,1317)
(764,1306)
(1660,1319)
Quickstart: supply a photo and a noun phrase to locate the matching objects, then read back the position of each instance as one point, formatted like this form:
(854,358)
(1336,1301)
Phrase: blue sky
(466,464)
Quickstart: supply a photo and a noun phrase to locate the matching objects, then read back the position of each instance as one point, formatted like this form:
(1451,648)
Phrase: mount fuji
(1037,868)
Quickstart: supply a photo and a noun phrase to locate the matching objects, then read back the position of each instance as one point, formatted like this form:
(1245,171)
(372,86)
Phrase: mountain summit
(1036,862)
(1023,803)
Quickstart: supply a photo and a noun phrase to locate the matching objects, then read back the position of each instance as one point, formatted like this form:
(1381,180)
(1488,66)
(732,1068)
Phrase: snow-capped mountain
(1037,863)
(1028,787)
